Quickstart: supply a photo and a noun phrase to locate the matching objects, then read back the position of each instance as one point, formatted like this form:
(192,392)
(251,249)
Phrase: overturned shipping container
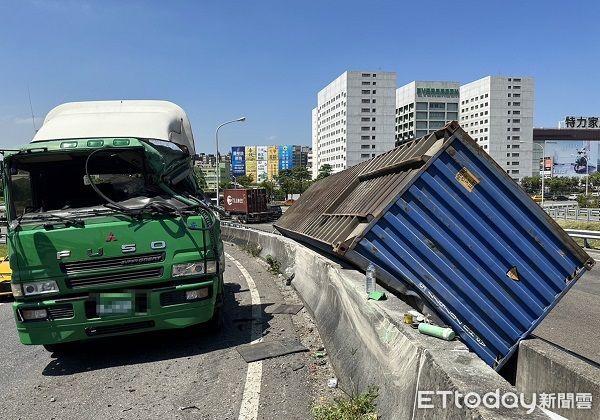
(439,218)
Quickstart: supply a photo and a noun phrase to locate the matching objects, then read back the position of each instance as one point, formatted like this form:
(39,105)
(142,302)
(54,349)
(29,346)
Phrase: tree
(286,182)
(300,174)
(324,171)
(245,180)
(532,184)
(269,186)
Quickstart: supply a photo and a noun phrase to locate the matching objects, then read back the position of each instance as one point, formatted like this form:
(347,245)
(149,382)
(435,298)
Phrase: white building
(497,112)
(354,119)
(315,146)
(423,107)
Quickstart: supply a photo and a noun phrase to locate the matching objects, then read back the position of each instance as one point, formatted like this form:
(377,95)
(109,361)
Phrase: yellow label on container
(467,179)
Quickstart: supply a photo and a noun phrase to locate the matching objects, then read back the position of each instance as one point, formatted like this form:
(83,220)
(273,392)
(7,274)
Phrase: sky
(267,59)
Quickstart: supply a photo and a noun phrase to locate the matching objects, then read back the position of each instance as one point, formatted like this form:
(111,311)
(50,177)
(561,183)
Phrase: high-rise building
(315,145)
(423,107)
(497,112)
(209,171)
(354,119)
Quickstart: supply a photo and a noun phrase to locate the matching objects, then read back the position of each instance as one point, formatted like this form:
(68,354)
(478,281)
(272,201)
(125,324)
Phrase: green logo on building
(436,92)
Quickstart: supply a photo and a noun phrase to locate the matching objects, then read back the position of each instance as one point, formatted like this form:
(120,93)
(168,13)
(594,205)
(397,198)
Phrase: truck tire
(215,325)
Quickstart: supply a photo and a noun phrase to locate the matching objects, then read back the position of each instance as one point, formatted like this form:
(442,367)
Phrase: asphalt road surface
(177,374)
(574,324)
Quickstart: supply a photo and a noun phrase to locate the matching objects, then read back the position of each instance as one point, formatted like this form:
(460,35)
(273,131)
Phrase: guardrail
(584,234)
(251,227)
(569,212)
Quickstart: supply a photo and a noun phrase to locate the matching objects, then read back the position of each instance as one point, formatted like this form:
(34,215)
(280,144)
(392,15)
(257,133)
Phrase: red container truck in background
(247,205)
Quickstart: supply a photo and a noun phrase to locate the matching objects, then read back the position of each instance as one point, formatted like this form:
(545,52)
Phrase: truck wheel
(216,322)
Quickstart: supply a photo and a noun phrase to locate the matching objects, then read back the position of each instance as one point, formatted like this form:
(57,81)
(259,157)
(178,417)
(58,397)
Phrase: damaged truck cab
(108,232)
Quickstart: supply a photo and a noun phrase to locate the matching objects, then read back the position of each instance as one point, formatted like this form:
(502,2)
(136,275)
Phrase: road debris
(269,349)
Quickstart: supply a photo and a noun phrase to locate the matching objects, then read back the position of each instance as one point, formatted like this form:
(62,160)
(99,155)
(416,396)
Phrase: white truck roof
(145,119)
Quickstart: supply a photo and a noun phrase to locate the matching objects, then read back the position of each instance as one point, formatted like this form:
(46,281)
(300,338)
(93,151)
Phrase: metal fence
(572,212)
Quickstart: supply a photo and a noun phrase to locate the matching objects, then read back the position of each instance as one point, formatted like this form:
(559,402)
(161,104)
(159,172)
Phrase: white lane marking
(251,395)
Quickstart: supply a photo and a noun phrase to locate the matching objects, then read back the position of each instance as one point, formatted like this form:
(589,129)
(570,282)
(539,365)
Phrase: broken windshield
(46,182)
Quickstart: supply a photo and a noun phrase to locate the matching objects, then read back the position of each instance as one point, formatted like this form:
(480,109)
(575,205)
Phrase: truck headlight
(196,267)
(32,314)
(40,288)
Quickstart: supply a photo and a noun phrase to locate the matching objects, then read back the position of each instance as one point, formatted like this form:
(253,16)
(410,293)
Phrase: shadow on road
(160,345)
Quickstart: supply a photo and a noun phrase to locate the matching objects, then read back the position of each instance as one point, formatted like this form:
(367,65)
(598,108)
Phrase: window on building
(364,146)
(365,128)
(516,87)
(516,103)
(373,109)
(364,156)
(366,83)
(517,112)
(515,155)
(366,75)
(365,137)
(452,116)
(365,109)
(368,101)
(516,121)
(517,95)
(516,137)
(365,91)
(437,105)
(452,107)
(374,100)
(509,104)
(421,106)
(509,95)
(365,119)
(372,146)
(375,92)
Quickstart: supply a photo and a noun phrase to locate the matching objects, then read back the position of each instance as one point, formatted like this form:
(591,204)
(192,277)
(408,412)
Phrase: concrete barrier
(369,345)
(544,368)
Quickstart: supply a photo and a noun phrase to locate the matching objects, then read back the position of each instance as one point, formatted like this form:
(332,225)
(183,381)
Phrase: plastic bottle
(370,278)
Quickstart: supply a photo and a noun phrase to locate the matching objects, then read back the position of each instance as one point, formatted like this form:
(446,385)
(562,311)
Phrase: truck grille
(60,311)
(79,266)
(113,329)
(109,279)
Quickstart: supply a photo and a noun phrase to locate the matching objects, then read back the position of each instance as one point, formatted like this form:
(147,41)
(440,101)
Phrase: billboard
(272,161)
(251,170)
(571,157)
(286,157)
(250,153)
(238,161)
(261,153)
(261,171)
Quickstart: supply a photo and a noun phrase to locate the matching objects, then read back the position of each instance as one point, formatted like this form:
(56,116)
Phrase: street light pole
(218,171)
(543,167)
(587,174)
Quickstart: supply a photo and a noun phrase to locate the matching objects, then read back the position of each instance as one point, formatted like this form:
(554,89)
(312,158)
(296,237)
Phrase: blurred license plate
(114,304)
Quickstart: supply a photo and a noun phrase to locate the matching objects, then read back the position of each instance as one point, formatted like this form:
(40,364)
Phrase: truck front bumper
(77,319)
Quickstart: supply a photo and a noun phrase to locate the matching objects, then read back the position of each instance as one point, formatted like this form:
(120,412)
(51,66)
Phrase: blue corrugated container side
(469,240)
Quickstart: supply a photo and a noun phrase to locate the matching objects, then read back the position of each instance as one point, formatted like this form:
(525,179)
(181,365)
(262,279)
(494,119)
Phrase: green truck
(108,231)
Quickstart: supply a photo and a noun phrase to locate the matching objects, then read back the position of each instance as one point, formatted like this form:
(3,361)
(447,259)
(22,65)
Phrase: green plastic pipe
(435,331)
